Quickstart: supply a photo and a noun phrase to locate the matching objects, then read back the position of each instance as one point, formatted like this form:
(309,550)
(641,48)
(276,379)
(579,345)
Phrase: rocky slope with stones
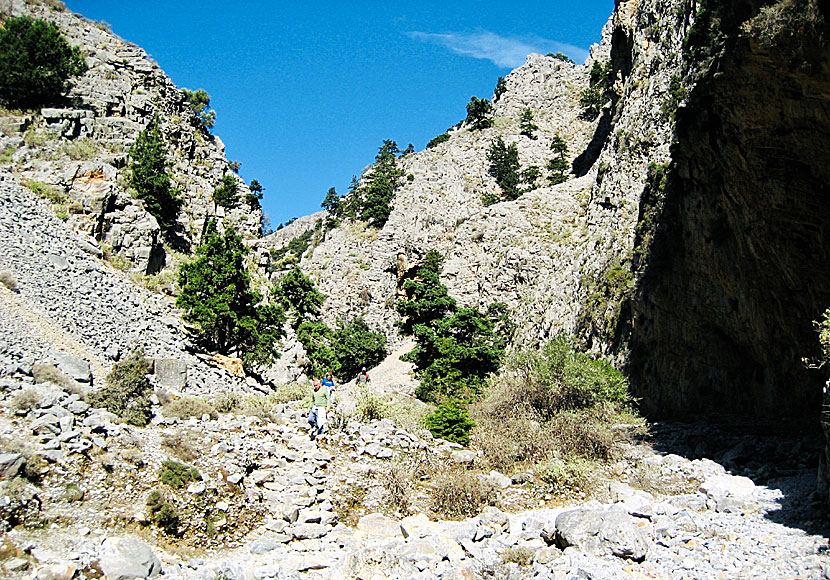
(80,151)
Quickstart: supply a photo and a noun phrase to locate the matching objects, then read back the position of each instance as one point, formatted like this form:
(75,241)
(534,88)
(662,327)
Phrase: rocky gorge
(682,244)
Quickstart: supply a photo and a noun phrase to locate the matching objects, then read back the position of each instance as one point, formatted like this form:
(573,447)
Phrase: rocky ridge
(80,151)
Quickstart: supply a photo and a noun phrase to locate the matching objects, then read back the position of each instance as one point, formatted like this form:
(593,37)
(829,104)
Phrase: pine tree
(226,193)
(149,178)
(217,299)
(478,113)
(36,63)
(504,167)
(526,124)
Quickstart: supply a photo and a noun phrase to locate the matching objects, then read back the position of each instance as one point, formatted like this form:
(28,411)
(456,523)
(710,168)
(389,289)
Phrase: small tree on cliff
(218,301)
(478,113)
(149,178)
(199,102)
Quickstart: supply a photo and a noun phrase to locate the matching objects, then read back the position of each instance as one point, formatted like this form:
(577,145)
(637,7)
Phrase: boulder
(72,366)
(379,525)
(11,464)
(170,373)
(601,532)
(127,559)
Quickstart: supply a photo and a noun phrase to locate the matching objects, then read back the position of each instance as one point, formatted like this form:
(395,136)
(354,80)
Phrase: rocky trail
(280,505)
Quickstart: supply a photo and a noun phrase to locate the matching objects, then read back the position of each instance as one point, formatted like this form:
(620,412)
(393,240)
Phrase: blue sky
(306,92)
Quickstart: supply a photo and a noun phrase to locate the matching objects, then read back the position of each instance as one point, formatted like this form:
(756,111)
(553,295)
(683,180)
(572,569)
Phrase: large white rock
(127,559)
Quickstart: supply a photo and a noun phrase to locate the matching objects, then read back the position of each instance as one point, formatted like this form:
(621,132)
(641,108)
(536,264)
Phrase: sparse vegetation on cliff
(478,114)
(127,392)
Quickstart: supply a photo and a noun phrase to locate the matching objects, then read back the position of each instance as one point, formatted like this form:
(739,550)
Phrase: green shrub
(561,56)
(199,103)
(372,201)
(478,114)
(599,91)
(177,474)
(149,178)
(36,63)
(162,513)
(226,193)
(435,141)
(558,166)
(501,87)
(456,347)
(298,296)
(526,125)
(504,167)
(316,338)
(356,346)
(127,392)
(187,407)
(450,421)
(46,191)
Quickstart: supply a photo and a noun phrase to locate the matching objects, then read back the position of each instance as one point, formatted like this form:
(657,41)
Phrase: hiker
(363,379)
(320,407)
(328,382)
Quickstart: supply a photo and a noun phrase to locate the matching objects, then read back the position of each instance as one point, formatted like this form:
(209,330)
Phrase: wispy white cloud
(503,51)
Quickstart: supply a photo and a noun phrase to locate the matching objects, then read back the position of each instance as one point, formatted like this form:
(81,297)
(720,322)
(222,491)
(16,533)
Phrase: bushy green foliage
(478,114)
(127,392)
(217,299)
(299,296)
(226,193)
(149,178)
(450,421)
(162,513)
(676,95)
(36,63)
(558,378)
(599,91)
(558,166)
(456,347)
(561,56)
(379,186)
(526,124)
(435,141)
(501,87)
(253,199)
(504,167)
(199,102)
(357,346)
(342,351)
(177,474)
(316,338)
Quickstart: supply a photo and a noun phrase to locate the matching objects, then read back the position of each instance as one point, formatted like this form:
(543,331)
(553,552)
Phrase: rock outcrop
(80,152)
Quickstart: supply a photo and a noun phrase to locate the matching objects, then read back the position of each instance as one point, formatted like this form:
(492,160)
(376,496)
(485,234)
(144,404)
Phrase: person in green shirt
(320,407)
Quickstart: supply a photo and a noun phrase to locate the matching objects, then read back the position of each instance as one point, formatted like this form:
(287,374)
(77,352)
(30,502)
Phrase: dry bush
(49,373)
(370,407)
(350,503)
(460,494)
(187,407)
(516,555)
(397,486)
(587,434)
(8,280)
(566,477)
(408,414)
(508,442)
(24,400)
(133,456)
(180,446)
(290,392)
(227,402)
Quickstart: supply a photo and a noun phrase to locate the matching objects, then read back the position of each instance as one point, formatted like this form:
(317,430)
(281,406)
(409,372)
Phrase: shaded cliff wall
(739,266)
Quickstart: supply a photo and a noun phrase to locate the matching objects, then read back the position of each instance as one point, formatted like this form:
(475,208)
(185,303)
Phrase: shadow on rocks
(780,455)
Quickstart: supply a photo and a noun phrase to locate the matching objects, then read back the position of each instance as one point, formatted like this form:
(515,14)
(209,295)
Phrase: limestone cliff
(80,150)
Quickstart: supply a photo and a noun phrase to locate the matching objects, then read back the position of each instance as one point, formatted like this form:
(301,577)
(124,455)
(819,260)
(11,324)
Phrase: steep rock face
(739,267)
(82,149)
(523,252)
